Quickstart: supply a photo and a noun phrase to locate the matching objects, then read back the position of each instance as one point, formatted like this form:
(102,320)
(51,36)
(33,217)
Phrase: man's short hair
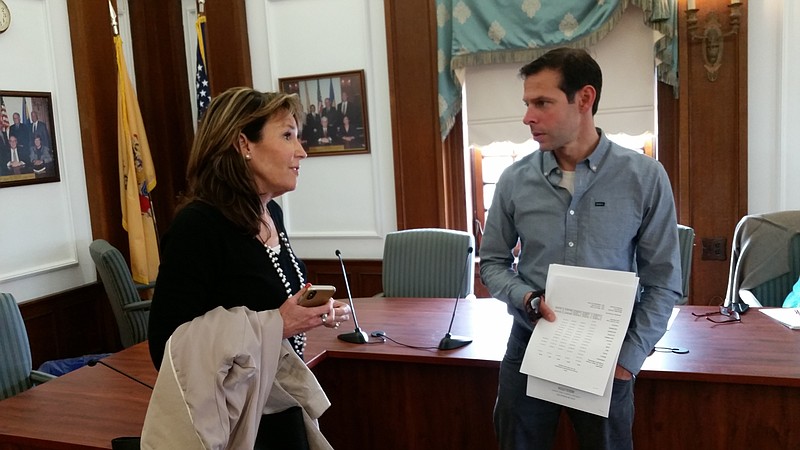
(577,69)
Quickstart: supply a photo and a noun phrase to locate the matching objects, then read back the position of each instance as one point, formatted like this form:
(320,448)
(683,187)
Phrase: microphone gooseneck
(94,362)
(357,336)
(449,341)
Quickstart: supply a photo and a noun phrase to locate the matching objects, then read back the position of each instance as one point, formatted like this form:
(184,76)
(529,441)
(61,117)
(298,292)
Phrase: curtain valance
(475,32)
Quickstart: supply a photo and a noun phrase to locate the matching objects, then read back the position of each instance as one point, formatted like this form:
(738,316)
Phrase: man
(326,133)
(5,150)
(580,200)
(330,111)
(39,128)
(20,130)
(16,160)
(350,109)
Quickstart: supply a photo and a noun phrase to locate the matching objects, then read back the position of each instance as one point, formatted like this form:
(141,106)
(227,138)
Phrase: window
(489,162)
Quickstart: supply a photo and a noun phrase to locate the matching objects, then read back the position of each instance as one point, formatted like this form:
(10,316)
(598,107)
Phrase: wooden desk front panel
(393,405)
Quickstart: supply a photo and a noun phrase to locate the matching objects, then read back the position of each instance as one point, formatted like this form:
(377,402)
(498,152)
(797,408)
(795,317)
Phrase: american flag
(202,85)
(4,123)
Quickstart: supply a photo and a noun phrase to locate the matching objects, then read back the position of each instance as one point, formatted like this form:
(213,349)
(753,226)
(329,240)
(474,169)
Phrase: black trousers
(282,431)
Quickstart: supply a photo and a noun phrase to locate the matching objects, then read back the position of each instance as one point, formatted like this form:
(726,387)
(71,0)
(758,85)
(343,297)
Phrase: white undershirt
(568,181)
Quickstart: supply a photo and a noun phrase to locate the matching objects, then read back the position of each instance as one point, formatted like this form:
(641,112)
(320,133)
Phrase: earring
(247,157)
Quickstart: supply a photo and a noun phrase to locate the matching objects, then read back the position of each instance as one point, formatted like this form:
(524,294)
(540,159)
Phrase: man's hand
(622,373)
(547,312)
(544,311)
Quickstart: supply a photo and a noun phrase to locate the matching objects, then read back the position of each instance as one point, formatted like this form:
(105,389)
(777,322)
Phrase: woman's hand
(297,319)
(340,313)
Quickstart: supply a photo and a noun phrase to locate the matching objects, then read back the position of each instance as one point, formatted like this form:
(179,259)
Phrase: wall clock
(5,16)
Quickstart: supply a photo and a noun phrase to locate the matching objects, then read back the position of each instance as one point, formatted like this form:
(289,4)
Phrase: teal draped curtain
(475,32)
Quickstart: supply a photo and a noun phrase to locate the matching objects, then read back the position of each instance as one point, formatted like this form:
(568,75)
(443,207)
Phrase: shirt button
(571,244)
(571,212)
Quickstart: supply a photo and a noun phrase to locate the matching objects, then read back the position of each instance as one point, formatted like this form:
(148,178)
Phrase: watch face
(5,16)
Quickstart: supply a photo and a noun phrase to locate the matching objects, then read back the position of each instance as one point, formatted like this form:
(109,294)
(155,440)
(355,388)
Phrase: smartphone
(317,295)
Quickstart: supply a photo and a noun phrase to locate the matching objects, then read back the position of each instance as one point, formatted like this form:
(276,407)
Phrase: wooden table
(738,388)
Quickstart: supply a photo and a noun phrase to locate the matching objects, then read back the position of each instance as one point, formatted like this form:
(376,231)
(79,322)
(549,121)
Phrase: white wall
(627,102)
(773,105)
(44,228)
(344,202)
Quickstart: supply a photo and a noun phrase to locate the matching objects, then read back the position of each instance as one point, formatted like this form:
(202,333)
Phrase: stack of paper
(787,316)
(571,361)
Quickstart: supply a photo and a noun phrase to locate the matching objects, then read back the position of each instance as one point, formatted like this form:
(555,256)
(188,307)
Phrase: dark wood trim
(228,45)
(96,85)
(69,324)
(364,276)
(455,177)
(418,153)
(712,156)
(162,89)
(668,148)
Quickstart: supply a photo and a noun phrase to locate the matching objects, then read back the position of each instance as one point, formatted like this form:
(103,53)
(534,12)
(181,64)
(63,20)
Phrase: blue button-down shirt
(621,216)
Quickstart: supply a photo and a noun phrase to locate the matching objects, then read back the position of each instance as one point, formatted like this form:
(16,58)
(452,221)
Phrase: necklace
(299,339)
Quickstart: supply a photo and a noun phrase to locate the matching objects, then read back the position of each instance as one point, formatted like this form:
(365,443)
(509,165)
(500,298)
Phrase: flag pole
(114,26)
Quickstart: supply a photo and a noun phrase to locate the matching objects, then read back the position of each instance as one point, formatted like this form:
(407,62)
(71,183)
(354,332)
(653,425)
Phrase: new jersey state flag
(137,178)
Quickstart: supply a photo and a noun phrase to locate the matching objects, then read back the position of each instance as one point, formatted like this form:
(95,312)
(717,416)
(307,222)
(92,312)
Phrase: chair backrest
(428,262)
(121,291)
(686,243)
(774,292)
(15,351)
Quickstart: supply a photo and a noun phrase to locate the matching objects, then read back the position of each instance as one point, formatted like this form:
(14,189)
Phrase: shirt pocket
(613,222)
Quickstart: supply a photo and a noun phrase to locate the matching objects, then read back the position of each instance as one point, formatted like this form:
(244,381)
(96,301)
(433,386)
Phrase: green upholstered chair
(686,243)
(428,262)
(130,311)
(16,370)
(765,258)
(774,291)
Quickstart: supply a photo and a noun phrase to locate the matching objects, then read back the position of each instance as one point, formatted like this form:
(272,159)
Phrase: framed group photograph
(334,112)
(27,139)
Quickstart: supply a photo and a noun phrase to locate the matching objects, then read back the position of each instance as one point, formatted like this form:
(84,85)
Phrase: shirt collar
(593,161)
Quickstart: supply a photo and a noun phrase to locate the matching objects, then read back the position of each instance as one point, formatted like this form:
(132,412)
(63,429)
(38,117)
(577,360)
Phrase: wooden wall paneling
(162,88)
(418,152)
(364,276)
(714,149)
(96,85)
(227,45)
(667,147)
(69,324)
(455,181)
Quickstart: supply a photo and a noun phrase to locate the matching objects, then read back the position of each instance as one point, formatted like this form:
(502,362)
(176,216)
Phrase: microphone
(357,336)
(449,341)
(94,362)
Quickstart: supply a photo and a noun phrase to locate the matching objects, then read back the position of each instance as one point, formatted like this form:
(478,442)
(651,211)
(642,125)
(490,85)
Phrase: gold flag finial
(113,18)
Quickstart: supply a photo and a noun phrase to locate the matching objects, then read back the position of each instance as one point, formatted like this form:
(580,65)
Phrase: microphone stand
(94,362)
(449,341)
(357,336)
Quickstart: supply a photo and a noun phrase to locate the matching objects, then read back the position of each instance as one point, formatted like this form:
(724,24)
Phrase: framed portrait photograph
(27,139)
(334,112)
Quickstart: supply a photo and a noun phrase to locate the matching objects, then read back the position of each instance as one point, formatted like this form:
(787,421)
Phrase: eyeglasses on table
(731,314)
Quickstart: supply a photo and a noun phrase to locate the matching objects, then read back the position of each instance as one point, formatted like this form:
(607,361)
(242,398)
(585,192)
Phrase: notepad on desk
(790,317)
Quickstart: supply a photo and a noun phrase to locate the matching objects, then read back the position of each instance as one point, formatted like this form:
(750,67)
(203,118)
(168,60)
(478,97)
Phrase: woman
(41,157)
(227,245)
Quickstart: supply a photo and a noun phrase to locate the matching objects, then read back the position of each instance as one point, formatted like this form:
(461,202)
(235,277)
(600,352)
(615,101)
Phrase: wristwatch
(532,306)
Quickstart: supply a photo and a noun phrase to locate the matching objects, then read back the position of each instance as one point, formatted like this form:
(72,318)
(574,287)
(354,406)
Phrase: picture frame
(334,112)
(28,148)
